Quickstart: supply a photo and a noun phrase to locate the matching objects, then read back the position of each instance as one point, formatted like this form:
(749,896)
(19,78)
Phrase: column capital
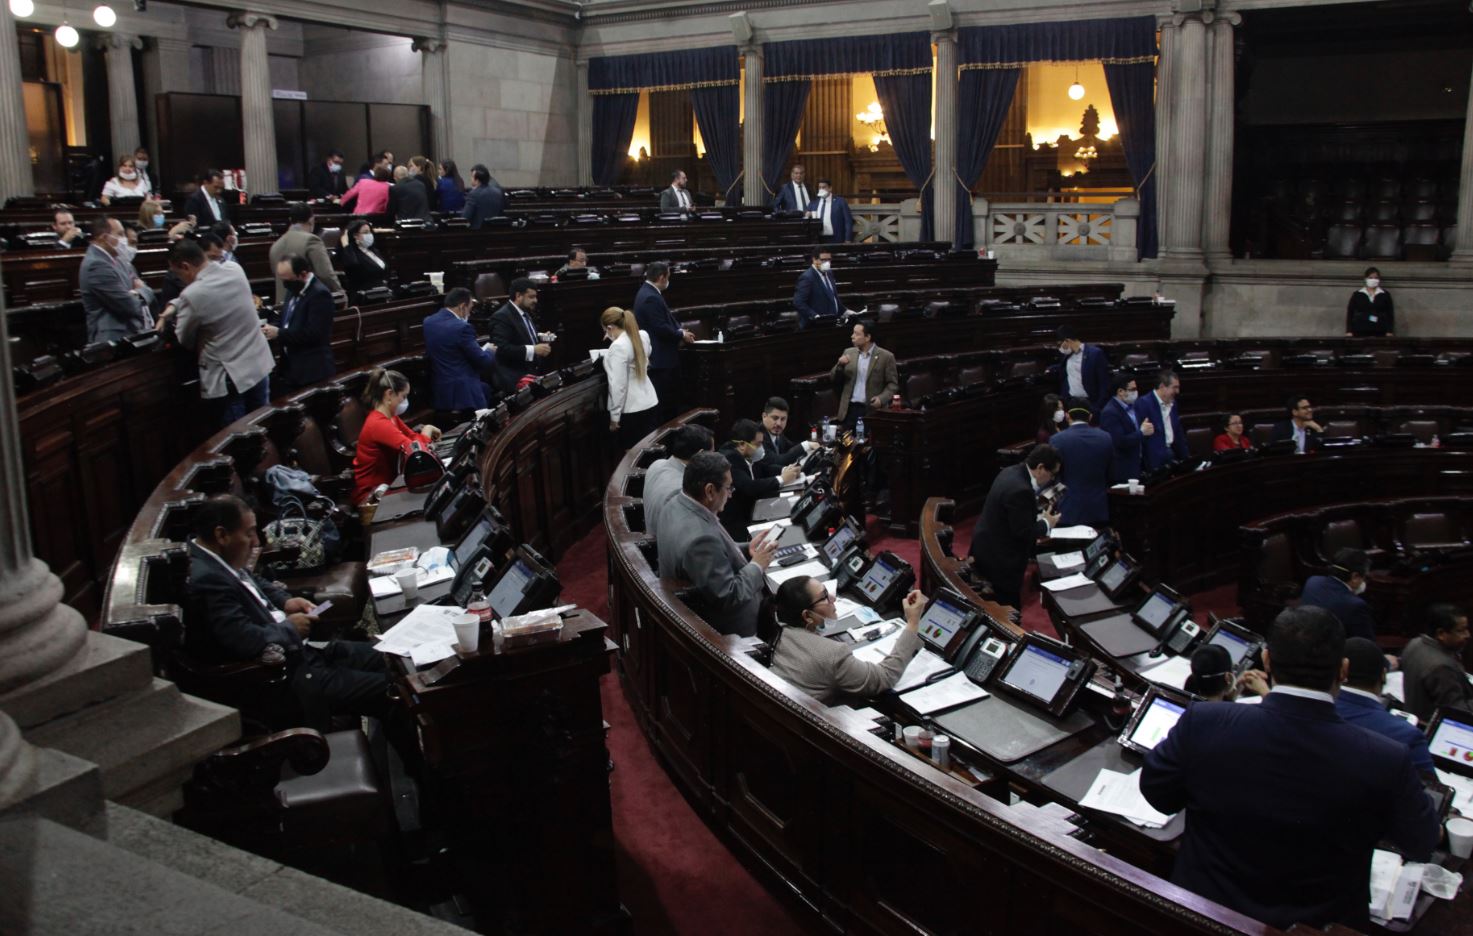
(943,35)
(116,40)
(245,19)
(428,46)
(754,48)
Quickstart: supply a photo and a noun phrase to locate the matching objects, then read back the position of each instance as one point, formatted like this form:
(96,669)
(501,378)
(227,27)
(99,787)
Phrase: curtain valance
(681,70)
(802,59)
(1128,41)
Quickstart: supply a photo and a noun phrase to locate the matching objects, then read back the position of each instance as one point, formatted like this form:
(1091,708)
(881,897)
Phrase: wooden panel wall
(824,140)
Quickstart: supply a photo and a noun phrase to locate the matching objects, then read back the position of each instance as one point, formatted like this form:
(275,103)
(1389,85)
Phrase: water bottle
(480,606)
(859,429)
(813,432)
(720,337)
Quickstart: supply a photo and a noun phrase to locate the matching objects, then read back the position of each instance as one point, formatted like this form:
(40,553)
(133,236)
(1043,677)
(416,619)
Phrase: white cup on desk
(437,280)
(1135,486)
(408,580)
(1460,836)
(468,632)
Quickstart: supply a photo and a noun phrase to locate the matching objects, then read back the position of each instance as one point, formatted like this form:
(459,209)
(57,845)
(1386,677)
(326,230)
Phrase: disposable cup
(408,580)
(1460,836)
(468,632)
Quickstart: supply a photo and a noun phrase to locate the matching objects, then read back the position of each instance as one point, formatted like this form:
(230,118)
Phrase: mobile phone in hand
(320,609)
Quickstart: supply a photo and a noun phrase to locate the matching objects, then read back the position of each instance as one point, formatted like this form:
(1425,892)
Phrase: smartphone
(320,609)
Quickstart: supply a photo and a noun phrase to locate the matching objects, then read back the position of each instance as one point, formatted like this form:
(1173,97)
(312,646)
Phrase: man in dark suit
(1340,593)
(304,332)
(485,200)
(1361,702)
(815,297)
(1086,454)
(326,179)
(832,212)
(1163,440)
(1285,800)
(1118,418)
(795,195)
(676,197)
(520,348)
(206,204)
(1011,523)
(780,450)
(1300,427)
(409,199)
(666,336)
(1085,370)
(458,364)
(749,477)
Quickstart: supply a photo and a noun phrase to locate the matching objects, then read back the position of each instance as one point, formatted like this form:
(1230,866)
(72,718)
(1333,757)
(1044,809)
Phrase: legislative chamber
(641,467)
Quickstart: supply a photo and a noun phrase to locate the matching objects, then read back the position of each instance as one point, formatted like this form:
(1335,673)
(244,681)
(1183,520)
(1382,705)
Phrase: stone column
(122,92)
(16,177)
(753,191)
(1165,71)
(585,127)
(1218,203)
(255,101)
(1463,253)
(943,177)
(436,92)
(1188,150)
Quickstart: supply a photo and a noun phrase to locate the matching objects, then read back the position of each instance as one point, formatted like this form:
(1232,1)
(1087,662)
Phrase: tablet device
(1450,739)
(1241,643)
(1117,576)
(1157,611)
(1045,673)
(838,543)
(947,621)
(1157,714)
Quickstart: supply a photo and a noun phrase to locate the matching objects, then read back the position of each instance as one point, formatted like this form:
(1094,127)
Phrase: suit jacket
(662,481)
(303,244)
(1367,317)
(751,486)
(114,308)
(1284,431)
(1094,373)
(226,623)
(1120,421)
(1087,454)
(828,670)
(840,220)
(1328,592)
(628,392)
(1285,802)
(1371,714)
(409,199)
(1008,529)
(483,203)
(198,204)
(726,589)
(656,320)
(1154,451)
(1433,677)
(815,300)
(306,337)
(217,317)
(882,380)
(790,199)
(458,363)
(781,452)
(359,271)
(324,184)
(669,201)
(509,333)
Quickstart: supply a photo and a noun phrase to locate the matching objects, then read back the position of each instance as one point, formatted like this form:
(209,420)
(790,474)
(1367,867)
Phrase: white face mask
(758,455)
(823,266)
(128,174)
(367,239)
(1132,395)
(1058,416)
(334,167)
(823,193)
(1359,589)
(127,251)
(402,408)
(1372,282)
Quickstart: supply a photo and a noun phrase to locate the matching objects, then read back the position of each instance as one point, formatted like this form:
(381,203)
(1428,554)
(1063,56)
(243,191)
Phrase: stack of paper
(1120,794)
(1394,686)
(776,575)
(1394,886)
(1068,560)
(1067,582)
(945,693)
(1462,791)
(426,635)
(1173,672)
(1073,532)
(848,608)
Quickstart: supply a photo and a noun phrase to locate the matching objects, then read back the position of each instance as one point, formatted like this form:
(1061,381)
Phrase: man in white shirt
(676,198)
(1166,442)
(795,195)
(833,214)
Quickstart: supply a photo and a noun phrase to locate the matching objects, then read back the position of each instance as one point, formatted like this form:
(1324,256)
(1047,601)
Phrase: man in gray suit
(664,478)
(216,316)
(676,197)
(301,242)
(116,301)
(726,588)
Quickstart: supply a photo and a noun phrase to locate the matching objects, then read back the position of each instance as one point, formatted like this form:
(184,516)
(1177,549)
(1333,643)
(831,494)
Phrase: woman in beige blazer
(824,668)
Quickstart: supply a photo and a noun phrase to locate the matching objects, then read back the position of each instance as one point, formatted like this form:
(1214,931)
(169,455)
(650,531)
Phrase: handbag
(292,528)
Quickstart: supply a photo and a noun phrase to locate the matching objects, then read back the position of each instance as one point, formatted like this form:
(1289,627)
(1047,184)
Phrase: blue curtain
(718,114)
(847,55)
(906,101)
(982,104)
(1115,41)
(613,128)
(1132,90)
(665,71)
(782,111)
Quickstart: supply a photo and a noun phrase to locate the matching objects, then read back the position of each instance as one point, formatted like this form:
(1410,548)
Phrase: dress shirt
(1299,437)
(1166,420)
(1074,367)
(276,613)
(1361,692)
(861,376)
(1303,693)
(374,257)
(824,205)
(214,206)
(1129,411)
(802,191)
(531,330)
(684,197)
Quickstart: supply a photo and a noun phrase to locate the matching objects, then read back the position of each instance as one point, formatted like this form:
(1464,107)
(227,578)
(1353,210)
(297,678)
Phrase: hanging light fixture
(104,16)
(22,8)
(66,36)
(1076,90)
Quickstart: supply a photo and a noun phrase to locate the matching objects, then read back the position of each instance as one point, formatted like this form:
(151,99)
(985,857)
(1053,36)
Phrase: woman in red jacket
(1232,436)
(385,437)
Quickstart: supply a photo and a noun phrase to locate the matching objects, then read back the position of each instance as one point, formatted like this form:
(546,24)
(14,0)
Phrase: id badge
(1373,319)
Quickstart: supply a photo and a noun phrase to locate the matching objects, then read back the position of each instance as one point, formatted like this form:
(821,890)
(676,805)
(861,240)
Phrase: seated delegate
(663,479)
(1232,436)
(1432,664)
(1300,427)
(1212,677)
(1361,702)
(385,437)
(1340,592)
(362,268)
(751,480)
(827,669)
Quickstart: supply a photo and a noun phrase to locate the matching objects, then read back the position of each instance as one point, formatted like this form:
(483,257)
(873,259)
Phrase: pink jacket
(372,197)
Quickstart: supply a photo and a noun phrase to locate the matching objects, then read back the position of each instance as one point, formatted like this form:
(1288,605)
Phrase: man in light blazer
(677,197)
(115,299)
(726,588)
(865,374)
(300,241)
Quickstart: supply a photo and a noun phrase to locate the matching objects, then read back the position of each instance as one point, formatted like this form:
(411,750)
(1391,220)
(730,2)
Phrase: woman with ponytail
(633,412)
(385,437)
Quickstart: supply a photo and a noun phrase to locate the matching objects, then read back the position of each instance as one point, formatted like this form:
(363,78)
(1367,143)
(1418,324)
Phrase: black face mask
(294,286)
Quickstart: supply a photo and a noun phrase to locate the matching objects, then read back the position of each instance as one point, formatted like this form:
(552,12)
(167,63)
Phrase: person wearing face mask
(832,212)
(1085,453)
(1051,418)
(145,170)
(633,405)
(459,366)
(115,299)
(326,179)
(304,331)
(363,268)
(666,336)
(1118,417)
(385,437)
(751,479)
(1163,440)
(523,349)
(1012,523)
(1370,313)
(128,183)
(1340,592)
(298,240)
(827,669)
(228,241)
(1085,371)
(815,297)
(1212,678)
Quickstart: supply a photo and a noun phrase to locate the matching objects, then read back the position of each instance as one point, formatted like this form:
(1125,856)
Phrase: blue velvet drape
(782,111)
(847,55)
(906,101)
(665,71)
(1108,40)
(613,128)
(1132,95)
(718,112)
(982,104)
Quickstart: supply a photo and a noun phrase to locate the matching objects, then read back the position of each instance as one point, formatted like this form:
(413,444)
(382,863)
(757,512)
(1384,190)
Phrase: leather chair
(1276,569)
(825,403)
(1421,190)
(1422,429)
(1383,212)
(1199,441)
(1344,212)
(1343,241)
(1261,433)
(1422,241)
(919,386)
(970,375)
(1386,189)
(1342,429)
(1383,242)
(489,286)
(1429,531)
(1414,211)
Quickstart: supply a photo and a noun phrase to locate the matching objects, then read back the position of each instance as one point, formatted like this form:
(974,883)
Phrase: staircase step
(318,901)
(105,667)
(146,742)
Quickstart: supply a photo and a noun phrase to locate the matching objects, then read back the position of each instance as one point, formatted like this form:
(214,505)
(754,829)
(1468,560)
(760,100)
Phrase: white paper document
(1171,672)
(1462,790)
(847,608)
(1394,886)
(1068,560)
(1067,582)
(945,693)
(426,624)
(1120,794)
(428,653)
(1073,532)
(1394,686)
(922,667)
(816,569)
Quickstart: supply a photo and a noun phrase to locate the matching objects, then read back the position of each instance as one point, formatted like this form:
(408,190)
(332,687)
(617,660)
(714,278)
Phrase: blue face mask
(158,220)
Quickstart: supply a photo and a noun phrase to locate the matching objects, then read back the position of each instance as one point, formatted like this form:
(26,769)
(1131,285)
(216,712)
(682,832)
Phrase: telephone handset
(813,498)
(850,566)
(982,652)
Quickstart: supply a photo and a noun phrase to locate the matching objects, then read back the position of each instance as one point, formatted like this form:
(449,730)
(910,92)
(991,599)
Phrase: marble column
(1218,202)
(122,92)
(436,92)
(585,127)
(1165,71)
(1188,150)
(255,102)
(16,177)
(1463,253)
(943,176)
(753,191)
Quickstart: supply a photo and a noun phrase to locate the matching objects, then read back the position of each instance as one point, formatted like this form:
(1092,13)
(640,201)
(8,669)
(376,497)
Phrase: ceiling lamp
(104,16)
(66,36)
(22,8)
(1076,90)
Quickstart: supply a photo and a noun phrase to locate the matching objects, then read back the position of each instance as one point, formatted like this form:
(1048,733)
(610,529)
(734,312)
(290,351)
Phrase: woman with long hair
(633,404)
(450,190)
(385,437)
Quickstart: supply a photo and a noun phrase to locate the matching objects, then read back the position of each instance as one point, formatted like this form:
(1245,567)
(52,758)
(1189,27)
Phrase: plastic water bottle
(720,337)
(859,429)
(813,432)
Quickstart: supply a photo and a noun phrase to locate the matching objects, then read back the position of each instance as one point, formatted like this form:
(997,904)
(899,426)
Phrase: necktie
(684,199)
(802,196)
(527,320)
(291,304)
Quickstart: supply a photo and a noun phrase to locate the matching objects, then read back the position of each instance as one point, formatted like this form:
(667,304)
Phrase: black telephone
(464,506)
(850,565)
(1185,634)
(814,497)
(982,653)
(443,491)
(478,570)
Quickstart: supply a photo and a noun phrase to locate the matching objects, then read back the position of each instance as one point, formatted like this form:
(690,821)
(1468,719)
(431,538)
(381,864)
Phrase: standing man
(216,316)
(521,348)
(793,196)
(676,198)
(299,241)
(833,213)
(1300,426)
(305,331)
(1432,664)
(666,336)
(326,178)
(1166,441)
(815,298)
(865,374)
(1085,372)
(206,204)
(485,200)
(115,300)
(1118,418)
(1012,523)
(1340,593)
(458,364)
(1086,454)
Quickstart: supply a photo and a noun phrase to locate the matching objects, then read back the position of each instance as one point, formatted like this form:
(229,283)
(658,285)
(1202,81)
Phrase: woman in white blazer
(632,400)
